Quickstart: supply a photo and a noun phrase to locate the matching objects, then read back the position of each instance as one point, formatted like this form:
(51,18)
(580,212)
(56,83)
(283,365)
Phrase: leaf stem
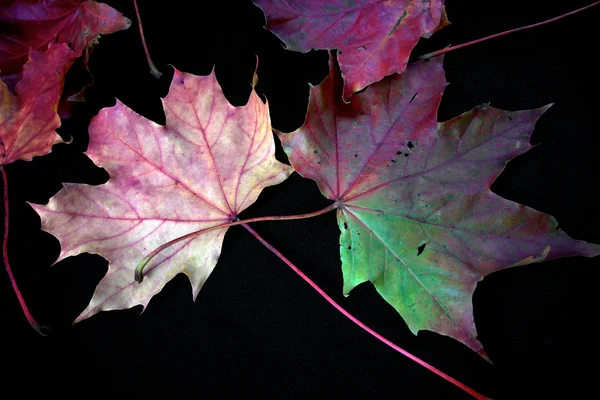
(34,324)
(139,269)
(361,324)
(460,46)
(153,70)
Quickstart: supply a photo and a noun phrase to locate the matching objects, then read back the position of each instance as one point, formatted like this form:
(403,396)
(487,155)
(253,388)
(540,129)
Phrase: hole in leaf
(411,100)
(349,247)
(394,161)
(315,151)
(361,90)
(398,153)
(356,155)
(411,145)
(509,117)
(420,249)
(345,225)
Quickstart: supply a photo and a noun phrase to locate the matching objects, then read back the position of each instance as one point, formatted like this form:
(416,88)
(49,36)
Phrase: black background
(256,327)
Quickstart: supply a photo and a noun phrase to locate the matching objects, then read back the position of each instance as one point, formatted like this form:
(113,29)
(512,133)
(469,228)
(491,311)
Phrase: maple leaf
(34,24)
(29,117)
(374,38)
(416,214)
(207,164)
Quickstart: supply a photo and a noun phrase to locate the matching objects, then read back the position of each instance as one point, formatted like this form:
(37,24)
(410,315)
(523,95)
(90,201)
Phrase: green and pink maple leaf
(374,38)
(209,162)
(415,210)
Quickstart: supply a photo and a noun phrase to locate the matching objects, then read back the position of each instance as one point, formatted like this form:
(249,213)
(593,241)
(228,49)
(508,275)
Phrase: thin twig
(460,46)
(34,324)
(153,70)
(362,325)
(139,269)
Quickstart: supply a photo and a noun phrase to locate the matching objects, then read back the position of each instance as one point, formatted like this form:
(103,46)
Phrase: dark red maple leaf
(31,24)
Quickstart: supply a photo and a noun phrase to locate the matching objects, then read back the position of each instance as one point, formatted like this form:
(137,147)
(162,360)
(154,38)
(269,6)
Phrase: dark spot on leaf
(394,161)
(398,153)
(356,155)
(315,151)
(318,163)
(404,14)
(414,96)
(182,81)
(411,145)
(509,117)
(345,225)
(420,249)
(406,154)
(349,247)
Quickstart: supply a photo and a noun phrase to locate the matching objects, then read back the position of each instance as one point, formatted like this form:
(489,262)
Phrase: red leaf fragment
(29,117)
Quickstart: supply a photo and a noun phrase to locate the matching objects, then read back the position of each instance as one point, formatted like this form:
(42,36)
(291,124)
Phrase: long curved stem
(460,46)
(361,324)
(153,70)
(34,324)
(139,269)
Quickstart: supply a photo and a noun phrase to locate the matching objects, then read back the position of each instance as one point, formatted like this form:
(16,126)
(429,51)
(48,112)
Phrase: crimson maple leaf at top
(374,38)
